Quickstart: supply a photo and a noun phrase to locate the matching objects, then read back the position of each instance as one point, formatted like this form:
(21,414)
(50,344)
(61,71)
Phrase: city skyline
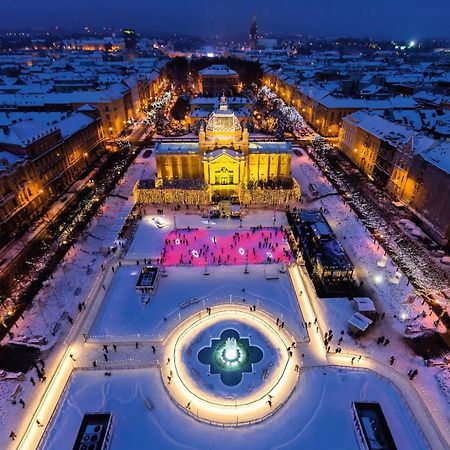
(390,20)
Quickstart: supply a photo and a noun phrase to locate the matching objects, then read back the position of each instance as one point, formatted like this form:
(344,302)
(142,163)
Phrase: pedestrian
(392,360)
(22,403)
(353,359)
(32,381)
(386,342)
(382,315)
(282,324)
(105,356)
(71,357)
(137,345)
(12,435)
(153,349)
(105,348)
(39,424)
(70,319)
(115,347)
(269,402)
(168,361)
(94,364)
(278,321)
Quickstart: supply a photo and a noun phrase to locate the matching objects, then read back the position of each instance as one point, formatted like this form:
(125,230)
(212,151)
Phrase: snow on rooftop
(438,156)
(388,131)
(217,69)
(24,132)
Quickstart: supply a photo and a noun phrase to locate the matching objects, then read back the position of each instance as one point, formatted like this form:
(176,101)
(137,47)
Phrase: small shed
(364,305)
(358,323)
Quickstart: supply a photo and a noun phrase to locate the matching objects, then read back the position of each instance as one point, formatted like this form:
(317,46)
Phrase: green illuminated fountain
(230,356)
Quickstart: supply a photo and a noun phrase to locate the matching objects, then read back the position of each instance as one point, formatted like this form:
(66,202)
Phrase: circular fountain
(225,363)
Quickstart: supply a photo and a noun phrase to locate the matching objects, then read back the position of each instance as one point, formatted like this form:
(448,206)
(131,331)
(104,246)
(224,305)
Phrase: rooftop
(218,70)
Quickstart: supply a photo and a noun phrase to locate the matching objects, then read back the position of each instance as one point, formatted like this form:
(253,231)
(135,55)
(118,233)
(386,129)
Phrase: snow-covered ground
(124,315)
(397,300)
(58,300)
(317,416)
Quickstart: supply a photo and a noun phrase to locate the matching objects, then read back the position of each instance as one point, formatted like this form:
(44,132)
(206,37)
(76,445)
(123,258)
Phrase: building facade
(38,163)
(412,167)
(225,163)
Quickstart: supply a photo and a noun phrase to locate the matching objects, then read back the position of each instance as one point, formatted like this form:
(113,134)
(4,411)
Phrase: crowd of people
(197,247)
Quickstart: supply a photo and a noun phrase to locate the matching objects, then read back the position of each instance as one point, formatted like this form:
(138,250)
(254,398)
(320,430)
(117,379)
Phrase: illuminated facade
(412,167)
(226,164)
(38,162)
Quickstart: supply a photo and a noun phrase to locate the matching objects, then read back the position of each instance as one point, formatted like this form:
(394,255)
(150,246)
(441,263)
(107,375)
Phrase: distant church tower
(253,33)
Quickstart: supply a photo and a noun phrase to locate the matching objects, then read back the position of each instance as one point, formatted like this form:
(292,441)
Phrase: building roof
(360,321)
(330,99)
(29,125)
(389,132)
(223,120)
(176,147)
(218,70)
(438,156)
(23,133)
(8,159)
(270,147)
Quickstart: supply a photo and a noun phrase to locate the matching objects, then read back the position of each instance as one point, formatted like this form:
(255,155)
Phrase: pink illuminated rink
(199,246)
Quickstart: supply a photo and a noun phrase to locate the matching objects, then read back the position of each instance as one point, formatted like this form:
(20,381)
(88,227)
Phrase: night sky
(399,19)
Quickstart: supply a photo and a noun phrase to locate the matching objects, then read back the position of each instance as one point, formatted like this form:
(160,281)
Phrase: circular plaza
(230,365)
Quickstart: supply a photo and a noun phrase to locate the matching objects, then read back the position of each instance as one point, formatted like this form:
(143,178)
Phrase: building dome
(223,121)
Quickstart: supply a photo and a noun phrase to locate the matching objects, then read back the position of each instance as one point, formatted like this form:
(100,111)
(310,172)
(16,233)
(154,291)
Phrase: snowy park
(317,416)
(224,274)
(186,289)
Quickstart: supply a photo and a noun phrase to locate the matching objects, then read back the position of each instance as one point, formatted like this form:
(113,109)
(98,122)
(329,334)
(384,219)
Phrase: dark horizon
(395,19)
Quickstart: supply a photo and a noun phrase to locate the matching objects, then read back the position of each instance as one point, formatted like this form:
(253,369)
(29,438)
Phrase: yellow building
(224,163)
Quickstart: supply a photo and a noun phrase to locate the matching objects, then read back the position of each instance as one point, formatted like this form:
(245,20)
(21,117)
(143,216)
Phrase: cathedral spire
(253,33)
